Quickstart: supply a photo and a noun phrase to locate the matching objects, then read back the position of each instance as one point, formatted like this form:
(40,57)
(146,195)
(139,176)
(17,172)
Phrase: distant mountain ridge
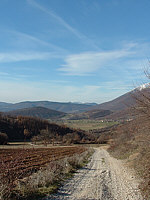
(118,104)
(62,107)
(124,101)
(40,112)
(119,108)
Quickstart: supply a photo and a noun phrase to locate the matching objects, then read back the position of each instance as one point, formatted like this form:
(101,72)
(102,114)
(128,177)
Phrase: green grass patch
(88,124)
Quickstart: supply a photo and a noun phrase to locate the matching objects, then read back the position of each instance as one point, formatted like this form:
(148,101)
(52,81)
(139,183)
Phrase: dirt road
(104,178)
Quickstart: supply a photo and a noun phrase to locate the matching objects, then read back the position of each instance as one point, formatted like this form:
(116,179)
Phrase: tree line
(29,128)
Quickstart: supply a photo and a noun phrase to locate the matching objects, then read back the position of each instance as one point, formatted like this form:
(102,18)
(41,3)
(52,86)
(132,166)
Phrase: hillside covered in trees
(25,128)
(40,112)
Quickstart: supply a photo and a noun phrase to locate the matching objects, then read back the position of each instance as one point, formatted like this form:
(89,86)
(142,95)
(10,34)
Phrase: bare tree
(26,134)
(142,97)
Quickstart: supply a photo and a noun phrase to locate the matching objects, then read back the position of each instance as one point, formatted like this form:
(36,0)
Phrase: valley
(87,125)
(74,100)
(45,138)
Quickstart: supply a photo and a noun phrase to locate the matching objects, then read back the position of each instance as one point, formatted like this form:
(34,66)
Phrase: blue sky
(72,50)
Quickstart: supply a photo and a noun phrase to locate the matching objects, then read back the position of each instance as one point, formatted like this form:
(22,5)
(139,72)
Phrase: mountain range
(118,108)
(61,107)
(121,107)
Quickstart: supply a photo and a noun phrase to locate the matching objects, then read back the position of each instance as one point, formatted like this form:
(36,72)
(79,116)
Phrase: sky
(72,50)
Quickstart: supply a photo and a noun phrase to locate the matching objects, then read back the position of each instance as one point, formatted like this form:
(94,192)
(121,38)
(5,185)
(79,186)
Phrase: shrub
(3,138)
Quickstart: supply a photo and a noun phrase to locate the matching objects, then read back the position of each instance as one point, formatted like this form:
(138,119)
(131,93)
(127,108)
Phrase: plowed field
(19,163)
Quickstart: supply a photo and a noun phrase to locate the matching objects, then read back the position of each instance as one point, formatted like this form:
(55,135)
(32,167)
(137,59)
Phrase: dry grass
(131,141)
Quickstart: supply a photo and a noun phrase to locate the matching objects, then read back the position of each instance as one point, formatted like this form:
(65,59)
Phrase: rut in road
(104,178)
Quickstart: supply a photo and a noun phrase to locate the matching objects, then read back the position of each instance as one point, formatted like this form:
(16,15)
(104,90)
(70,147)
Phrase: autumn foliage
(27,128)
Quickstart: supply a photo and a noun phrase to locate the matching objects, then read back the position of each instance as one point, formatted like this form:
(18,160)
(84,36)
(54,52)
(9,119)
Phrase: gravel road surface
(104,178)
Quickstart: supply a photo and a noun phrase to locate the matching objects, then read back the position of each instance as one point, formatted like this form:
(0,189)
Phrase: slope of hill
(93,114)
(4,106)
(62,107)
(120,108)
(125,114)
(39,112)
(21,128)
(115,109)
(125,101)
(132,141)
(119,103)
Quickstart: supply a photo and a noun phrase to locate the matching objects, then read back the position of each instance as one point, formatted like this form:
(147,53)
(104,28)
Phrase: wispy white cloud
(56,17)
(89,62)
(4,74)
(27,38)
(15,57)
(28,47)
(63,23)
(132,56)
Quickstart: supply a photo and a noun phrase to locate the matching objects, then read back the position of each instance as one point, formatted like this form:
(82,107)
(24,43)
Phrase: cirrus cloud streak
(25,56)
(86,63)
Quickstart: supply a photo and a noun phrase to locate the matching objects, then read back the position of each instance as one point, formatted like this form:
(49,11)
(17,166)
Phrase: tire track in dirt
(104,178)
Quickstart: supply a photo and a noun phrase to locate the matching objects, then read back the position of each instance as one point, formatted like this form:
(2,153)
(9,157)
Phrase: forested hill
(16,127)
(39,112)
